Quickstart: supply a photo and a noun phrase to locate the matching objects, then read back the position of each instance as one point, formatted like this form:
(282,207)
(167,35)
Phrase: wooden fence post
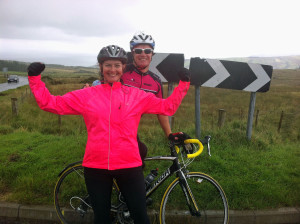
(256,117)
(14,106)
(280,122)
(212,120)
(241,114)
(22,97)
(221,120)
(59,121)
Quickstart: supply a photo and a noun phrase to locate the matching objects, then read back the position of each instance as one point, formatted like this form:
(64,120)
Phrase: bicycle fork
(190,199)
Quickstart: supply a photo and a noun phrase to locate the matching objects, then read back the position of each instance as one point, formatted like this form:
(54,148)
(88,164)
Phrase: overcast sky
(71,32)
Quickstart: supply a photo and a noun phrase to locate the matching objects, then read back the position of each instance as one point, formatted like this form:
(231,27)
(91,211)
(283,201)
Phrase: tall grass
(261,173)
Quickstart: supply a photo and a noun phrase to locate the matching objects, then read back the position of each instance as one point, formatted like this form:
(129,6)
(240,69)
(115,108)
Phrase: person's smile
(112,71)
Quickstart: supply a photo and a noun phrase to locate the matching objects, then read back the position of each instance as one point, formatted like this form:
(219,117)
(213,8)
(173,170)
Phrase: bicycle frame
(165,175)
(178,169)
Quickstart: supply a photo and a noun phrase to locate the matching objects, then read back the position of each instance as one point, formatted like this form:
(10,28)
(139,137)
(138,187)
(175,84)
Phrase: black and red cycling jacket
(147,81)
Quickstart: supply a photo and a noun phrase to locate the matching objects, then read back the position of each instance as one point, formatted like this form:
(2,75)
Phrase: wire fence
(280,121)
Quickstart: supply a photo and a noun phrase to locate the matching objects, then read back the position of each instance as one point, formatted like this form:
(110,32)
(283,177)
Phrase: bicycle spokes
(206,194)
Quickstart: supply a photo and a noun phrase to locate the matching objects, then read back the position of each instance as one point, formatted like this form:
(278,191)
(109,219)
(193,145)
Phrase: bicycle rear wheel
(208,194)
(72,202)
(71,199)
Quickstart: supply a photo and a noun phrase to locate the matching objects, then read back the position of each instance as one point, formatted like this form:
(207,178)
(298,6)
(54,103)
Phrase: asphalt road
(6,86)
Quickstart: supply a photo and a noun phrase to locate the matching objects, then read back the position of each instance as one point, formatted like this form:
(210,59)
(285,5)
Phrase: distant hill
(19,66)
(13,66)
(280,62)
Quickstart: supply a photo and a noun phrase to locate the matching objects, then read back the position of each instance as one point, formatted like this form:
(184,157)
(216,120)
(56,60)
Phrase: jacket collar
(115,85)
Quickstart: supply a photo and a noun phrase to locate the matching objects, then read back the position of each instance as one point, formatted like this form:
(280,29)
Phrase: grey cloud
(53,58)
(65,18)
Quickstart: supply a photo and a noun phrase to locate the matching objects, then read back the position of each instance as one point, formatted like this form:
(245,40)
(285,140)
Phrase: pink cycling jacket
(112,115)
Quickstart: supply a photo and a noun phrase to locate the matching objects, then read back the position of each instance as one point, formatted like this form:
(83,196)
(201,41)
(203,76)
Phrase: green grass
(34,161)
(257,174)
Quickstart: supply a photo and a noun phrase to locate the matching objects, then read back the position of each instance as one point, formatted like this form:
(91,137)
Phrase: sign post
(251,114)
(5,70)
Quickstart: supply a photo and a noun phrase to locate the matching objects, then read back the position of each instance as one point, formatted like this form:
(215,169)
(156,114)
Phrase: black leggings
(143,150)
(131,183)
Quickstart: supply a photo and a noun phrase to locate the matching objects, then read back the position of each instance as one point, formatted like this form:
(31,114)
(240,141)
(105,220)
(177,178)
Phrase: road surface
(6,86)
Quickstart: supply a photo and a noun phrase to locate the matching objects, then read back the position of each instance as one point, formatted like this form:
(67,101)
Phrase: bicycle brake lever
(207,139)
(208,149)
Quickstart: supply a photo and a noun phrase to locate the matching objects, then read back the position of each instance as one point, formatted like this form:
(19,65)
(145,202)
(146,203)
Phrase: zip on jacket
(109,139)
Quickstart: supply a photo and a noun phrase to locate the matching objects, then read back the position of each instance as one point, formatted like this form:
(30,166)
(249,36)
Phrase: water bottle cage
(150,177)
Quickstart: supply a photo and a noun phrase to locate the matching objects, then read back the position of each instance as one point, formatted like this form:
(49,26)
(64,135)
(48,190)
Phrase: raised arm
(169,105)
(70,103)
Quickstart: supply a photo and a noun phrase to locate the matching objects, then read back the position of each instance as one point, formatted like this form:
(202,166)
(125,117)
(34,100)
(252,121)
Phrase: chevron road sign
(230,75)
(165,65)
(214,73)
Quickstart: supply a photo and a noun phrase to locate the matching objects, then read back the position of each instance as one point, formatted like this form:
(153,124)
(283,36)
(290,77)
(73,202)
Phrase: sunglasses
(140,50)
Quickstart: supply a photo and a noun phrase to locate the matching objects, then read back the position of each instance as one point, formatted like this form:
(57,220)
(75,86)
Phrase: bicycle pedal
(149,201)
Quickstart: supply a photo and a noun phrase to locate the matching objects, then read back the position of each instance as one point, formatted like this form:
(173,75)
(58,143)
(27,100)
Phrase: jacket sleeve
(70,103)
(168,106)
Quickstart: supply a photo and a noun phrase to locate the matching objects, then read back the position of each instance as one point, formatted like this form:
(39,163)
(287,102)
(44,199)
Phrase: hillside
(280,62)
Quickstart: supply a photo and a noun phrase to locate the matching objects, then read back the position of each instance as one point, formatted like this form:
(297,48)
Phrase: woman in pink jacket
(112,113)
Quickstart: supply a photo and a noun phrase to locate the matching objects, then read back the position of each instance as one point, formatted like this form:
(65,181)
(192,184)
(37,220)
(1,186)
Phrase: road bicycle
(192,197)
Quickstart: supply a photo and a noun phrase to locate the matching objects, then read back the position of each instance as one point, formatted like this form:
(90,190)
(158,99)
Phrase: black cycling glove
(178,137)
(35,68)
(184,75)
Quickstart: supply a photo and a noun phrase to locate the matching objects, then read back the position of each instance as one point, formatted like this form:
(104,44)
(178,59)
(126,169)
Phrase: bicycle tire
(70,188)
(71,185)
(209,195)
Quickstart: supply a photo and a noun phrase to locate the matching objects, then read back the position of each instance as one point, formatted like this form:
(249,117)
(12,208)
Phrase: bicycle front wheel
(207,195)
(71,199)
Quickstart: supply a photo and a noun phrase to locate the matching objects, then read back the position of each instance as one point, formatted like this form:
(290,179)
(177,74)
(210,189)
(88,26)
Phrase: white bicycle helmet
(142,38)
(112,52)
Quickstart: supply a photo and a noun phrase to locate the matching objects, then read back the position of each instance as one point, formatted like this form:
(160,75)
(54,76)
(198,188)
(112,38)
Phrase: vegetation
(262,173)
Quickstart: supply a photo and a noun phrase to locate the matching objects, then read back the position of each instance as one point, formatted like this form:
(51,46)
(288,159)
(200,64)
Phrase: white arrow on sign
(262,78)
(220,76)
(156,60)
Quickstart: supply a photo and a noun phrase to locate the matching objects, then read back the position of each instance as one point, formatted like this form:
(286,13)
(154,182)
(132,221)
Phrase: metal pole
(197,111)
(170,91)
(251,114)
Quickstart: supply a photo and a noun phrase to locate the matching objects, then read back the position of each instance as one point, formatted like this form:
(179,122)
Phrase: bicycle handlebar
(196,141)
(200,143)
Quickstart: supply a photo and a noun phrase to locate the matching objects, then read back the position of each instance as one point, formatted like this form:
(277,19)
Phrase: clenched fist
(35,68)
